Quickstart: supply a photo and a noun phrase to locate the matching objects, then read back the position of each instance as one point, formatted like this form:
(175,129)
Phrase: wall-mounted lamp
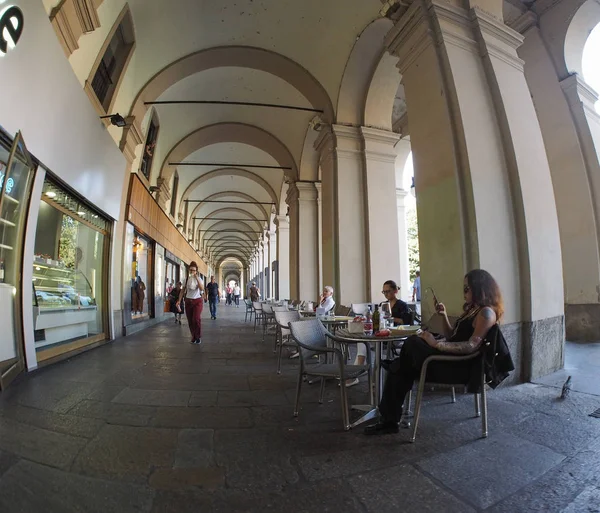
(412,188)
(116,119)
(179,225)
(154,188)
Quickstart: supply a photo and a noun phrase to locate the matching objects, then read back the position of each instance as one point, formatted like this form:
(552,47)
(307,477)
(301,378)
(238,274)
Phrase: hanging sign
(11,28)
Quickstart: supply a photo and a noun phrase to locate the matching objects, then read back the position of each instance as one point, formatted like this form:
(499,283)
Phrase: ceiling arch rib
(226,211)
(227,195)
(234,56)
(229,132)
(250,237)
(233,240)
(229,171)
(230,255)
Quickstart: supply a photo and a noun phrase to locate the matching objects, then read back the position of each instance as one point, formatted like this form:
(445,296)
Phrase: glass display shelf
(60,288)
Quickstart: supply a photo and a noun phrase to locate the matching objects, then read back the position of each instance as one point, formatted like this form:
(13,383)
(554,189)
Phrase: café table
(396,335)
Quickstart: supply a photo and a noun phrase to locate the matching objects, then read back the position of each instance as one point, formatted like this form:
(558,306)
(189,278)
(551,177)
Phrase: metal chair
(282,334)
(311,337)
(342,310)
(258,313)
(449,360)
(360,308)
(268,319)
(249,310)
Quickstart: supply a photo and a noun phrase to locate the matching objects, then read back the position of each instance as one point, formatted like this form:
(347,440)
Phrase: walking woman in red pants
(193,292)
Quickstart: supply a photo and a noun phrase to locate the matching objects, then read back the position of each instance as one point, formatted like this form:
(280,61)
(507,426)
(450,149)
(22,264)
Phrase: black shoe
(385,364)
(382,428)
(198,341)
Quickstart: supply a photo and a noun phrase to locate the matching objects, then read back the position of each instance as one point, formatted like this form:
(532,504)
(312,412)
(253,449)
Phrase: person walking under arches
(192,291)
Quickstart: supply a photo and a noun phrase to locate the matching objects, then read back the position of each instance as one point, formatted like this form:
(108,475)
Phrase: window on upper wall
(149,148)
(107,74)
(174,195)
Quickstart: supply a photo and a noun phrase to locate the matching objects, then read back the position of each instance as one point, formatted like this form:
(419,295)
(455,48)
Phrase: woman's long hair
(485,291)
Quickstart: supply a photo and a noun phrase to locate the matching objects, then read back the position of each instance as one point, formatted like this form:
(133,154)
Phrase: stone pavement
(151,423)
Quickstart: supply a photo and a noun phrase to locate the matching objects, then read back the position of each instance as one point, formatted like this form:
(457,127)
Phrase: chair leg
(477,409)
(409,402)
(298,388)
(279,357)
(418,405)
(344,401)
(484,421)
(453,395)
(277,330)
(322,391)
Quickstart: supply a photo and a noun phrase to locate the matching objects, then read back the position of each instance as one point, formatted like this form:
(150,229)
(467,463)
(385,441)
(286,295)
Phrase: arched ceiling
(285,52)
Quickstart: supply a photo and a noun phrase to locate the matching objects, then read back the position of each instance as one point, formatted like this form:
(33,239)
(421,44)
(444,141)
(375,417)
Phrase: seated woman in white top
(326,299)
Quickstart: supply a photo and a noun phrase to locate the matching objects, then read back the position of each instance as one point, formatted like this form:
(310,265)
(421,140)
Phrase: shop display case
(65,302)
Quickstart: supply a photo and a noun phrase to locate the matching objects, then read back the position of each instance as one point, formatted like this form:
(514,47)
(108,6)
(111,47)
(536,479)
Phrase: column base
(582,322)
(537,348)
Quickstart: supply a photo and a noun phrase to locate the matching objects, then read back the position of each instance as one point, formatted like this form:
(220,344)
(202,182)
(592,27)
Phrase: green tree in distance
(412,235)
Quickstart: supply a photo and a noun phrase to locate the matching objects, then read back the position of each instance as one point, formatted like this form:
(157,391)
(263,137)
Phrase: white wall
(42,97)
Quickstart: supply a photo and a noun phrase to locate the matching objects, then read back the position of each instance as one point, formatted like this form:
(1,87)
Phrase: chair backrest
(257,306)
(342,310)
(283,318)
(310,335)
(280,308)
(266,308)
(361,308)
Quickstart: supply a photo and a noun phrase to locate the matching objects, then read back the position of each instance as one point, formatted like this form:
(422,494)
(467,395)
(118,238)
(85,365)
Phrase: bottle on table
(376,319)
(369,322)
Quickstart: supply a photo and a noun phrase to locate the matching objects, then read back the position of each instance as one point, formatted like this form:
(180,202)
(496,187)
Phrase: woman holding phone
(482,309)
(193,292)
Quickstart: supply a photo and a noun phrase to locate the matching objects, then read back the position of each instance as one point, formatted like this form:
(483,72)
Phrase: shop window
(140,277)
(146,166)
(16,172)
(69,273)
(106,75)
(174,195)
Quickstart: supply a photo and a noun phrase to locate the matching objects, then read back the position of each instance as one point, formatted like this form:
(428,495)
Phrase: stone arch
(233,210)
(233,239)
(231,255)
(360,68)
(229,132)
(230,171)
(214,236)
(226,194)
(233,56)
(583,22)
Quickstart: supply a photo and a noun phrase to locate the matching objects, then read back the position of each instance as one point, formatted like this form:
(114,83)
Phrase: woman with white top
(193,291)
(236,295)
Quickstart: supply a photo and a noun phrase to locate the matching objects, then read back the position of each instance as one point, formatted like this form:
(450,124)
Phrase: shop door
(15,184)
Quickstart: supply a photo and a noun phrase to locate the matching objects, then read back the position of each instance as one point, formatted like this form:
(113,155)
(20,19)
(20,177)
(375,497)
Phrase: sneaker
(176,321)
(193,341)
(352,382)
(198,341)
(179,321)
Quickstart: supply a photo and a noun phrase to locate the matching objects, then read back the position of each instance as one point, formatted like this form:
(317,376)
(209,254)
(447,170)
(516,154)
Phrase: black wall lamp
(154,188)
(116,119)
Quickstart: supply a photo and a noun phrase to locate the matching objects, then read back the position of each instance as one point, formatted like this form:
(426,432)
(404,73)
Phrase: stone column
(272,236)
(344,260)
(283,256)
(484,193)
(266,266)
(320,283)
(383,262)
(304,265)
(405,284)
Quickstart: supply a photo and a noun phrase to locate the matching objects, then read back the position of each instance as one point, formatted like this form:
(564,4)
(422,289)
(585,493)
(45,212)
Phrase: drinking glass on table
(387,315)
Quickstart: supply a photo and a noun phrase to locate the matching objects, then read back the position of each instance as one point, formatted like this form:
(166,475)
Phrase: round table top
(395,334)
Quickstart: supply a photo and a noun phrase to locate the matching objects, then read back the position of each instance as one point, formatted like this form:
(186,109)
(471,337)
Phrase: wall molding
(72,19)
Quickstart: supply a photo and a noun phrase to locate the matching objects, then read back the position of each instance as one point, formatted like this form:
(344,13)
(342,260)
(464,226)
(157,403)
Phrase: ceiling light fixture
(51,194)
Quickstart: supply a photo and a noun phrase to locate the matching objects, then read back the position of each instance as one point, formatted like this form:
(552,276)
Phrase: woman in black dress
(482,309)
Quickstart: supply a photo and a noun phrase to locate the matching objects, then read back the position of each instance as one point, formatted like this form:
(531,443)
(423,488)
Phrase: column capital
(338,138)
(577,91)
(380,144)
(282,222)
(301,191)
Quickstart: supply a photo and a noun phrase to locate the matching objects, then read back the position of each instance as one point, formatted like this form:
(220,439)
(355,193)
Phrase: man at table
(326,299)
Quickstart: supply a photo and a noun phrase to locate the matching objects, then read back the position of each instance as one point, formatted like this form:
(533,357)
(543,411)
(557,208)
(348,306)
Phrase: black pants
(407,368)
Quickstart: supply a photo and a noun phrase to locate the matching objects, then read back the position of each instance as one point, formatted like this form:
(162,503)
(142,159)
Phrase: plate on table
(406,327)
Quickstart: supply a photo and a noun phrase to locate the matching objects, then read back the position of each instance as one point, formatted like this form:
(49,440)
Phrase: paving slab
(29,488)
(485,472)
(153,397)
